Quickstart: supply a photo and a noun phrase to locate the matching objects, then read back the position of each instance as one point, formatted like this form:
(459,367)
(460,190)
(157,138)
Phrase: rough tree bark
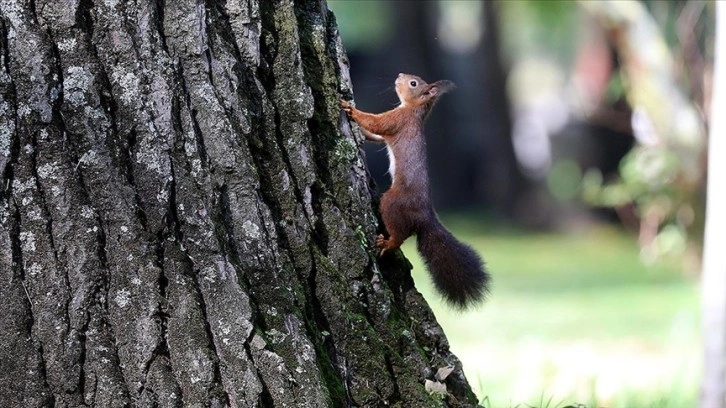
(185,216)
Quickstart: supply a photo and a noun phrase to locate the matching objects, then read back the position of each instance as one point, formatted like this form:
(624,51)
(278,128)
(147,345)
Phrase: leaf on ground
(444,372)
(435,387)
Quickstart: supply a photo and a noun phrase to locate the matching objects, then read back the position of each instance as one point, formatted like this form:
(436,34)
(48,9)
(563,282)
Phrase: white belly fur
(392,165)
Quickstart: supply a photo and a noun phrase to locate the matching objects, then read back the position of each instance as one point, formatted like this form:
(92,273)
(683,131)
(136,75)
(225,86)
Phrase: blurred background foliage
(570,118)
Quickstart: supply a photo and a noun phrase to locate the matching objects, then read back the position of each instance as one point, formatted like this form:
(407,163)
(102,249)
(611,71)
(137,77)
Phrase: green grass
(573,318)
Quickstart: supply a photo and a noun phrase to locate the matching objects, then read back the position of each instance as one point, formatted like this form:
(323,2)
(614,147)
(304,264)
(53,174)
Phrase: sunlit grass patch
(573,318)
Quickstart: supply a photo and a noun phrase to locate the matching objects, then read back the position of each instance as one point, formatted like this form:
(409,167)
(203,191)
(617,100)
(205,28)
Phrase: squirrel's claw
(381,244)
(347,106)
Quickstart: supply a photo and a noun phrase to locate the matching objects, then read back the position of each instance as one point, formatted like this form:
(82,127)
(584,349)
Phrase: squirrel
(457,270)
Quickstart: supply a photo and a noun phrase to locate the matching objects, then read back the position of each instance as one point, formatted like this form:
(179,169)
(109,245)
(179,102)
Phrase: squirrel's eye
(413,84)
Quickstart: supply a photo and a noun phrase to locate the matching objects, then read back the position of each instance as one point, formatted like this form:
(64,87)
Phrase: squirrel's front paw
(347,106)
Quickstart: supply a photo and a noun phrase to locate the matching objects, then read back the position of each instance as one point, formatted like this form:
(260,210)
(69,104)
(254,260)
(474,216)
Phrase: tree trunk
(713,280)
(185,218)
(499,178)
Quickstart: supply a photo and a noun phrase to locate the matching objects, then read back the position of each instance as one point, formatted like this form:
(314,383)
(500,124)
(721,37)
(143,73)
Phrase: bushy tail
(456,269)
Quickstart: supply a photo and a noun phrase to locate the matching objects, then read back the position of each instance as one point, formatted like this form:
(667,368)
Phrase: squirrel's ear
(443,86)
(439,87)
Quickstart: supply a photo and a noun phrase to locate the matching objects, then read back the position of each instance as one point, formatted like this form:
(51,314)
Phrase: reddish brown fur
(406,207)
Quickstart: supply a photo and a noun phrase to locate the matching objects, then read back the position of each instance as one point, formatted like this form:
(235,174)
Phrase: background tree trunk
(713,279)
(499,179)
(182,221)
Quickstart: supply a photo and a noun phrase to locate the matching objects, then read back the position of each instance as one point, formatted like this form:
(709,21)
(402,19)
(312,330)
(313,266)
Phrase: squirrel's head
(414,91)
